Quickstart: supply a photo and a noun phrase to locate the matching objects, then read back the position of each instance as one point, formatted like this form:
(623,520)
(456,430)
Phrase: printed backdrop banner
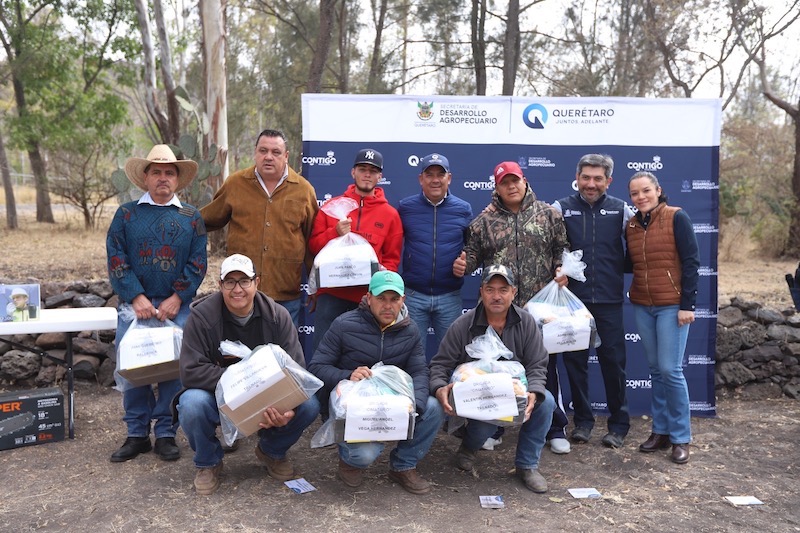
(677,140)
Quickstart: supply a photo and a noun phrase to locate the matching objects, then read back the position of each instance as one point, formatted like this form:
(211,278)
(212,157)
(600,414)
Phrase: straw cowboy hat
(161,153)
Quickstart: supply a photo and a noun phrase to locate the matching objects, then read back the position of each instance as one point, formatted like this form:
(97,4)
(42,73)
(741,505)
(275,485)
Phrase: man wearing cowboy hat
(156,261)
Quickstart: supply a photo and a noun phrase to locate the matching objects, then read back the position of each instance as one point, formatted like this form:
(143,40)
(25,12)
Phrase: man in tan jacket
(269,209)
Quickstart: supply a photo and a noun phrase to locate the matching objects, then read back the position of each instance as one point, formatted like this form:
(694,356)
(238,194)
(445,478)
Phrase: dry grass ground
(750,449)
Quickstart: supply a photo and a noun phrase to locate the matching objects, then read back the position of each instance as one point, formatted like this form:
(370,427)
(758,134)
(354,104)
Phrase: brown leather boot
(410,480)
(654,443)
(351,476)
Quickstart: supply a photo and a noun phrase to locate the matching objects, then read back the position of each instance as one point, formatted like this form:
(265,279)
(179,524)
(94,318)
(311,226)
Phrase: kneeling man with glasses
(239,312)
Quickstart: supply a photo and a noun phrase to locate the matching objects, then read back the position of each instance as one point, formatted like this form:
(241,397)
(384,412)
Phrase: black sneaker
(580,434)
(132,447)
(166,449)
(613,440)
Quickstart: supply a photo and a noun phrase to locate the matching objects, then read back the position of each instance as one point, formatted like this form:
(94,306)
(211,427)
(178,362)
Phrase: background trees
(118,76)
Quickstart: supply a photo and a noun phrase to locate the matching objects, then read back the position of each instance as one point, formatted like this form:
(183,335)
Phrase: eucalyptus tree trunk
(11,204)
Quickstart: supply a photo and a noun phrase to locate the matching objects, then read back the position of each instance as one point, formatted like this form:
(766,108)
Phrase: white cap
(237,263)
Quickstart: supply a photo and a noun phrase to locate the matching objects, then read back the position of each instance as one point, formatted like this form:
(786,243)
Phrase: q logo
(539,118)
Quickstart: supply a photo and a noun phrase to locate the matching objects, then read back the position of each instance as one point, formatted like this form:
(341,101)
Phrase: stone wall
(758,349)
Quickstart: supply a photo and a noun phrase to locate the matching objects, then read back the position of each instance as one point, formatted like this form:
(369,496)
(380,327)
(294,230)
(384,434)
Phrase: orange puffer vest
(656,264)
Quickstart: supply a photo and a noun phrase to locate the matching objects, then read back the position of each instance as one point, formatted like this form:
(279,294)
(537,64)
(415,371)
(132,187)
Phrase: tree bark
(150,84)
(11,204)
(324,36)
(511,48)
(477,24)
(213,20)
(173,108)
(375,62)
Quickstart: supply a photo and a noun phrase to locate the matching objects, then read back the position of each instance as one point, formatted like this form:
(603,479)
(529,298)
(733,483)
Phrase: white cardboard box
(149,355)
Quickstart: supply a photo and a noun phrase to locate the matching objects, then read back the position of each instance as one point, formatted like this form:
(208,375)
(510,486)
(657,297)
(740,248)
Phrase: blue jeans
(664,344)
(293,306)
(140,403)
(438,310)
(611,357)
(531,434)
(199,418)
(408,452)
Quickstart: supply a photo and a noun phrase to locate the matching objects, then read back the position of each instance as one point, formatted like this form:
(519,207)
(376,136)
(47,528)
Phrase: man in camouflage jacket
(518,231)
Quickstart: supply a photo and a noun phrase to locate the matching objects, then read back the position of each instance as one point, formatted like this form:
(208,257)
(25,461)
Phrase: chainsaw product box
(31,417)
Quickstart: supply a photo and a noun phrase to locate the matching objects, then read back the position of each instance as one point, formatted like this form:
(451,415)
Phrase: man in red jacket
(374,219)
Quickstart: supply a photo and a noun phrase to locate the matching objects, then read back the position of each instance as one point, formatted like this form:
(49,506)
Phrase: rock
(5,347)
(88,300)
(763,353)
(761,391)
(25,340)
(729,316)
(734,374)
(752,334)
(59,354)
(791,348)
(52,288)
(792,389)
(105,375)
(46,376)
(113,301)
(102,289)
(46,341)
(60,299)
(729,341)
(766,316)
(790,360)
(86,366)
(783,333)
(793,320)
(20,365)
(89,346)
(743,304)
(78,286)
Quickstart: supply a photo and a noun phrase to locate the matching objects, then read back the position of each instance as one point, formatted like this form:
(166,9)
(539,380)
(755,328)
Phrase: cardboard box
(284,394)
(149,355)
(31,417)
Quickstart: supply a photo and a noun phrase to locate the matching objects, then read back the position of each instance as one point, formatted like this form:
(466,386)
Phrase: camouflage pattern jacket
(529,242)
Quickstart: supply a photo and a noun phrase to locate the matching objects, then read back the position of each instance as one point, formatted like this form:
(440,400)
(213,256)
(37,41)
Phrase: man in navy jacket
(435,222)
(595,224)
(380,330)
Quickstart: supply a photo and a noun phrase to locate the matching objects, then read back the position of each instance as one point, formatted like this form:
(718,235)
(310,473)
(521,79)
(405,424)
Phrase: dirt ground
(749,449)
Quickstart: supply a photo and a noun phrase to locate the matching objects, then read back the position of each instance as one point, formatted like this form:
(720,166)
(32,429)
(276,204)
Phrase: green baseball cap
(386,280)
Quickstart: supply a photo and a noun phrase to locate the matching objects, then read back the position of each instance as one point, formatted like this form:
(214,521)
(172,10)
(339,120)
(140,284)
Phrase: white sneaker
(491,443)
(559,445)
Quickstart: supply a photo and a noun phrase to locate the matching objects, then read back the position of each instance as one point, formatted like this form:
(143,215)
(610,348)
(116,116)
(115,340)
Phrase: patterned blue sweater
(156,250)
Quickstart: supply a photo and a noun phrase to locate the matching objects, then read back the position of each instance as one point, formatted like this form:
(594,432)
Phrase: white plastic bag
(346,261)
(566,324)
(506,380)
(257,370)
(148,352)
(572,266)
(385,381)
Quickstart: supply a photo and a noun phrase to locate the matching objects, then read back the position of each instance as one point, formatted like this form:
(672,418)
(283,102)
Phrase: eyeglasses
(230,284)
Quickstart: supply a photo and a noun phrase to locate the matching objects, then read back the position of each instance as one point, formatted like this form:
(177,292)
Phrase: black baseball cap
(369,156)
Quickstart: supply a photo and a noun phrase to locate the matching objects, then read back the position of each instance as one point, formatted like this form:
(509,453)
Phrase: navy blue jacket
(598,230)
(355,339)
(434,237)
